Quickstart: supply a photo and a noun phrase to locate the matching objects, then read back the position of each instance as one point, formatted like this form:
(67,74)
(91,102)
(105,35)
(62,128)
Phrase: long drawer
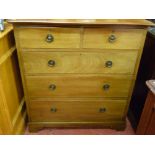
(78,86)
(80,62)
(112,38)
(54,37)
(77,110)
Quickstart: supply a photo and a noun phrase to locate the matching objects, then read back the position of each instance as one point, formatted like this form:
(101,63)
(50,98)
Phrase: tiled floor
(50,131)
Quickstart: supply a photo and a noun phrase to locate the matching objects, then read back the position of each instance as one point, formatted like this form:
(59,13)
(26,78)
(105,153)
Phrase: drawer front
(49,37)
(79,62)
(112,38)
(80,110)
(78,86)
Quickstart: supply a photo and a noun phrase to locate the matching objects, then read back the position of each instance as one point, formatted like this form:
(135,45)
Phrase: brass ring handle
(51,63)
(102,110)
(53,109)
(52,87)
(106,87)
(112,38)
(49,38)
(108,64)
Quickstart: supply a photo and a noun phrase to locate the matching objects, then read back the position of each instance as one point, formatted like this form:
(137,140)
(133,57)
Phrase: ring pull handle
(102,110)
(52,87)
(49,38)
(51,63)
(53,110)
(108,64)
(106,87)
(112,38)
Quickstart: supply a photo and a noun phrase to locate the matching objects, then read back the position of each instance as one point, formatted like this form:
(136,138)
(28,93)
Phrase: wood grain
(10,84)
(79,72)
(79,62)
(11,93)
(78,86)
(117,125)
(6,42)
(88,110)
(95,22)
(125,38)
(36,37)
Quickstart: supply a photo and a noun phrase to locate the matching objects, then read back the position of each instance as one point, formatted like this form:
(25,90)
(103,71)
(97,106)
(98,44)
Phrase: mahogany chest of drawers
(79,73)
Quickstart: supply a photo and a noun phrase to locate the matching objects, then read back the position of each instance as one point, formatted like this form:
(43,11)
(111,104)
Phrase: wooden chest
(79,73)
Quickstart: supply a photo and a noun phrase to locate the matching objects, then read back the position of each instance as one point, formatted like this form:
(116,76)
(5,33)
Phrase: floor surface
(51,131)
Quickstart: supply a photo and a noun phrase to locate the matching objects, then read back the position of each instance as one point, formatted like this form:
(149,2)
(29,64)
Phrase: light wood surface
(6,42)
(88,111)
(80,38)
(113,124)
(79,71)
(130,22)
(79,62)
(14,95)
(125,38)
(7,54)
(78,86)
(11,94)
(36,37)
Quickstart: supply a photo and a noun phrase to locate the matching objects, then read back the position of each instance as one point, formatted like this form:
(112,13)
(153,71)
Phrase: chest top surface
(85,22)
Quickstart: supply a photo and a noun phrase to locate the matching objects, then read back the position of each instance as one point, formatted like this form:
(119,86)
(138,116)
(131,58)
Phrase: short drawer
(49,37)
(77,110)
(78,86)
(79,62)
(113,38)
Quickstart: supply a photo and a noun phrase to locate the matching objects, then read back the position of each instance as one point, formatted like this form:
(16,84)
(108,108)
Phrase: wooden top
(151,85)
(134,22)
(7,28)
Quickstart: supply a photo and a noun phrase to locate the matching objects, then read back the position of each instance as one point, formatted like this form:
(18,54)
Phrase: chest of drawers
(79,73)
